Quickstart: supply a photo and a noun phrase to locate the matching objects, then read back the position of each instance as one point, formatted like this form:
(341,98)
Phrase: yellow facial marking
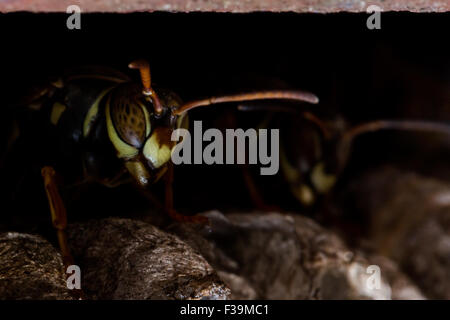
(322,181)
(92,114)
(57,111)
(124,150)
(304,194)
(155,152)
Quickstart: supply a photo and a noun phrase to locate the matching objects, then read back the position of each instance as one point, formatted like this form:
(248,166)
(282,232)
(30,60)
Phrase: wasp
(315,152)
(100,125)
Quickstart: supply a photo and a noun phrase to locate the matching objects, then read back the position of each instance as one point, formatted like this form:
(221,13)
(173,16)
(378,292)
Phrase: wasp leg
(59,218)
(168,204)
(58,212)
(255,196)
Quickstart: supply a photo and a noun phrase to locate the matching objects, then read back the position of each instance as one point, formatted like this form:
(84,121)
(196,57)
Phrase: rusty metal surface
(318,6)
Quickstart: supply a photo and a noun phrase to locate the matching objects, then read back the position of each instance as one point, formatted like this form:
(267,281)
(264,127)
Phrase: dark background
(401,71)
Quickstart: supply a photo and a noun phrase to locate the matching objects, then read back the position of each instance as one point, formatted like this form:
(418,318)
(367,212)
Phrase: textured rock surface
(225,5)
(410,222)
(274,256)
(127,259)
(257,255)
(30,268)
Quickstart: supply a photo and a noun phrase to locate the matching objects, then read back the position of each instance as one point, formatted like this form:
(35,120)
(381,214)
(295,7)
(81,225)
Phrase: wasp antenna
(144,68)
(373,126)
(260,95)
(405,125)
(274,108)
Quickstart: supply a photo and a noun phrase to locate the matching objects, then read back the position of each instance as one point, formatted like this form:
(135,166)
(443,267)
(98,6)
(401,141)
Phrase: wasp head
(140,122)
